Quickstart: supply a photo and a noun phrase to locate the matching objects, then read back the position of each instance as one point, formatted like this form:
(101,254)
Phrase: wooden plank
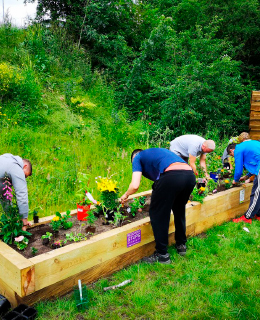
(8,293)
(254,115)
(218,219)
(254,107)
(103,269)
(254,122)
(59,264)
(16,271)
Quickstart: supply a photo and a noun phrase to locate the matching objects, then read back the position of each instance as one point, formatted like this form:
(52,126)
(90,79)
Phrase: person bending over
(247,154)
(174,181)
(17,170)
(190,146)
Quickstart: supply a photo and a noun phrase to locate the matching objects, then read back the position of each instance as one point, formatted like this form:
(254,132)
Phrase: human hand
(25,224)
(123,198)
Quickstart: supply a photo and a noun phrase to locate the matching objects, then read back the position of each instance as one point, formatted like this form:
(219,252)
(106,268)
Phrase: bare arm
(133,187)
(192,163)
(203,164)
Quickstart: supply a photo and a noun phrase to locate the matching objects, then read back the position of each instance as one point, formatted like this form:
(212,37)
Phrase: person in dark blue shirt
(174,181)
(247,154)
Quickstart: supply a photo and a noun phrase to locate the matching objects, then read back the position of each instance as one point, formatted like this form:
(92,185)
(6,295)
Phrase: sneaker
(242,219)
(257,217)
(181,249)
(157,257)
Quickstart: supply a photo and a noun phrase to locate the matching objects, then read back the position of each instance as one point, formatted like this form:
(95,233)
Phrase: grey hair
(210,144)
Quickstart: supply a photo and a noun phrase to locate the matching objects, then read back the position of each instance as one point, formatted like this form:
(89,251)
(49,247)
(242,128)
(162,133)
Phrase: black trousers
(254,206)
(170,192)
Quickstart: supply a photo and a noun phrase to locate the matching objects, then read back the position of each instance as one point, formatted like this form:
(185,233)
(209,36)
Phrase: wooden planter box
(55,273)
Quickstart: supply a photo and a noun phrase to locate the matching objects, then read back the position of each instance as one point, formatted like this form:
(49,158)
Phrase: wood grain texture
(55,273)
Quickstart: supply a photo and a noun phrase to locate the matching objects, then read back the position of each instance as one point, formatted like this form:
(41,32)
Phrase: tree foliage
(188,65)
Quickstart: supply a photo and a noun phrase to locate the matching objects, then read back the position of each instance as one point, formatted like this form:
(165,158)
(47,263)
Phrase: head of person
(27,168)
(208,146)
(243,137)
(134,153)
(231,148)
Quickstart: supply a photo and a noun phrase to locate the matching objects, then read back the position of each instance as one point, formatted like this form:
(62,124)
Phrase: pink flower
(140,111)
(150,123)
(19,239)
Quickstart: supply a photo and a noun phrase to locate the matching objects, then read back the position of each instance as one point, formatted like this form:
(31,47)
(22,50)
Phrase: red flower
(150,123)
(140,111)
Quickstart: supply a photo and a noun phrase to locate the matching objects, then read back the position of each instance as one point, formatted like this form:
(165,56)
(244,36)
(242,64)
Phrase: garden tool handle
(80,289)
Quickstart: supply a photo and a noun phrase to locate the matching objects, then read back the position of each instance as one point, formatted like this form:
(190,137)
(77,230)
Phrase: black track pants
(170,192)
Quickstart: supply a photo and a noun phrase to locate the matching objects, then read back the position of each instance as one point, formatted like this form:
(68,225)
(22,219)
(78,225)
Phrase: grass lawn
(219,278)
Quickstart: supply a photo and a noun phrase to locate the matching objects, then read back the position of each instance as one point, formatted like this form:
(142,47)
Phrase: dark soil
(35,240)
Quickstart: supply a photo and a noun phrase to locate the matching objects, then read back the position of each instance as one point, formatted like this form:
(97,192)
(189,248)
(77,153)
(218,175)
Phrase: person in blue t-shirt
(247,154)
(174,181)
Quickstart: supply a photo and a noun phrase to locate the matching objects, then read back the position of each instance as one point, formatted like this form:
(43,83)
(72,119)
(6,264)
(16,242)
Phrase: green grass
(219,278)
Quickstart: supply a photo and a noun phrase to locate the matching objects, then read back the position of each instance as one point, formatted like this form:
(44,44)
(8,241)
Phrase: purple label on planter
(133,238)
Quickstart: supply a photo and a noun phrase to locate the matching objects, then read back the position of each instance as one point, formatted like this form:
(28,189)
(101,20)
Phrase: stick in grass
(118,285)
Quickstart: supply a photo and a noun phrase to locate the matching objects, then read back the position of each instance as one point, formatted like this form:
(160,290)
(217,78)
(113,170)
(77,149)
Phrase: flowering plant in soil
(21,242)
(60,221)
(10,221)
(212,186)
(109,192)
(137,204)
(228,183)
(91,218)
(199,194)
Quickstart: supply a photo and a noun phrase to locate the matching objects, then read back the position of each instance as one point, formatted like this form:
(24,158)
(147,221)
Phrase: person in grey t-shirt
(17,169)
(190,146)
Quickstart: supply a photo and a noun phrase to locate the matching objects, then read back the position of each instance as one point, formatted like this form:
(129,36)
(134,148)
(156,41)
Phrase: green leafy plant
(228,183)
(83,181)
(55,223)
(76,237)
(212,186)
(198,194)
(65,224)
(34,251)
(21,242)
(10,221)
(48,235)
(118,216)
(109,192)
(91,218)
(136,204)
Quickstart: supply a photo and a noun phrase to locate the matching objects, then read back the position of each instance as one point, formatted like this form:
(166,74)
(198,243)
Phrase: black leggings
(170,192)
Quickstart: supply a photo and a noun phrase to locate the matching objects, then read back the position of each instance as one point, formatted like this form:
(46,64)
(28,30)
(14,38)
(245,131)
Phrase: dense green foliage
(188,65)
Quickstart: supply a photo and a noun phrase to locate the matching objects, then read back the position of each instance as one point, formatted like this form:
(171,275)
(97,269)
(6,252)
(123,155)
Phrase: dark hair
(28,162)
(134,153)
(231,146)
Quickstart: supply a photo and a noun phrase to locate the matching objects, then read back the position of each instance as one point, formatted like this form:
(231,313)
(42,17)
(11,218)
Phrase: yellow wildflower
(226,181)
(56,219)
(222,170)
(202,189)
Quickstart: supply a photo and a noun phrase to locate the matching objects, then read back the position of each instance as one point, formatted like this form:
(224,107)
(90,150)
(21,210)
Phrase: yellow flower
(202,189)
(15,122)
(56,219)
(222,170)
(226,181)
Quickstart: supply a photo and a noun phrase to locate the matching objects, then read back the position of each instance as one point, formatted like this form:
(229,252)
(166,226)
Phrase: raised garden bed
(54,273)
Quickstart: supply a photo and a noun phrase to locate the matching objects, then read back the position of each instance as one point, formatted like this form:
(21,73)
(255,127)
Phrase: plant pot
(109,215)
(35,219)
(4,305)
(90,229)
(226,165)
(201,184)
(11,315)
(45,241)
(82,212)
(226,175)
(214,176)
(30,313)
(21,308)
